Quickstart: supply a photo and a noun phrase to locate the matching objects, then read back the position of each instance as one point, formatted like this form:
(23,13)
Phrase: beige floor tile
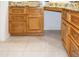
(48,45)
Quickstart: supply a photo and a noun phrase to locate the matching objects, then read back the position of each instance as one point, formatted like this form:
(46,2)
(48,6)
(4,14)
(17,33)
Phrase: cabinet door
(74,49)
(35,24)
(17,28)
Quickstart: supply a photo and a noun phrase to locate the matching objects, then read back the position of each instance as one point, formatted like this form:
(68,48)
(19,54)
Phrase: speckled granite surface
(26,3)
(66,5)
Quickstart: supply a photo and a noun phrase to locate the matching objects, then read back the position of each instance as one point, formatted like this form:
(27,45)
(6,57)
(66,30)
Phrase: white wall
(3,20)
(52,20)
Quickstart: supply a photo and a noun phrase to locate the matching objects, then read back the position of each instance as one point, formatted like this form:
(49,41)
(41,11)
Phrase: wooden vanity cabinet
(25,20)
(70,19)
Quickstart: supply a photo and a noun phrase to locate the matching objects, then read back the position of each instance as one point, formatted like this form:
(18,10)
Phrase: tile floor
(49,45)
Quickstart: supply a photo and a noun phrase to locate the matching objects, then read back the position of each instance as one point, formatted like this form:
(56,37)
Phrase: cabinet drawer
(75,20)
(74,49)
(35,10)
(75,34)
(17,27)
(18,10)
(18,18)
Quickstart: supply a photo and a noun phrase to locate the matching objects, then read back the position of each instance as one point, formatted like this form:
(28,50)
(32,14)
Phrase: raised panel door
(34,24)
(17,28)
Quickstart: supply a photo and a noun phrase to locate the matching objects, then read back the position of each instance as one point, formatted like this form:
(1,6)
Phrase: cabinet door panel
(17,27)
(35,24)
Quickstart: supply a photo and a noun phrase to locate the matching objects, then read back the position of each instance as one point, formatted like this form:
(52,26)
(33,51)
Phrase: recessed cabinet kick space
(26,20)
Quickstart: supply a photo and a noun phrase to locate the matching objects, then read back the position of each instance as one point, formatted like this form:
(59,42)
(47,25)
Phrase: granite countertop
(26,3)
(69,6)
(65,5)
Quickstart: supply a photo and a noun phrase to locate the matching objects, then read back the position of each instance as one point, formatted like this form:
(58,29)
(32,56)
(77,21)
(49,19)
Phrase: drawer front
(75,20)
(74,49)
(18,18)
(17,27)
(34,10)
(18,10)
(75,34)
